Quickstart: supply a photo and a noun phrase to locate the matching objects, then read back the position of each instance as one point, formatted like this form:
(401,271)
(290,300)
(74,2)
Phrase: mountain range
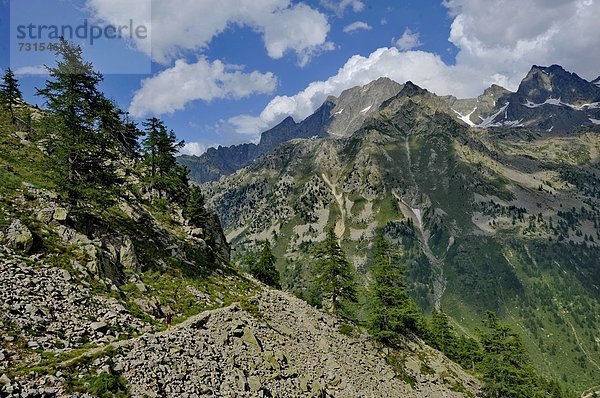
(549,99)
(494,201)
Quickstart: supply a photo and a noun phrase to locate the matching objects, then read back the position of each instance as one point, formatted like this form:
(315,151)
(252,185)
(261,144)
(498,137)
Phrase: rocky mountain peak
(596,81)
(410,90)
(554,82)
(355,105)
(494,91)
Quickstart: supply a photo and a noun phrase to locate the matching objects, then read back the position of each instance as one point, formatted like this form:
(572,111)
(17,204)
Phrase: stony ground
(274,346)
(280,347)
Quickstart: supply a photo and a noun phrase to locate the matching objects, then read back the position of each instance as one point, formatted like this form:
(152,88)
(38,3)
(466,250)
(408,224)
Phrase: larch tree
(336,278)
(82,148)
(393,312)
(264,268)
(10,94)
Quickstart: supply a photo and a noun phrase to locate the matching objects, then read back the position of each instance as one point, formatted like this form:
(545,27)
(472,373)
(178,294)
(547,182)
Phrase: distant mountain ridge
(548,100)
(500,218)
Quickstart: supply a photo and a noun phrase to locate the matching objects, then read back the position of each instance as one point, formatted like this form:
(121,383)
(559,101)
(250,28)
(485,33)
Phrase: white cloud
(507,37)
(421,67)
(31,70)
(408,40)
(246,124)
(193,148)
(497,43)
(339,6)
(178,26)
(173,88)
(358,25)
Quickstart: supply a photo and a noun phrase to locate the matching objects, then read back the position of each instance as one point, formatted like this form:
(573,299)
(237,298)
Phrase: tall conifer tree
(335,275)
(82,146)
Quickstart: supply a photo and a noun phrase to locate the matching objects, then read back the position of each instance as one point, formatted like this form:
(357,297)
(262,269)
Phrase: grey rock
(18,236)
(65,275)
(22,135)
(4,380)
(254,383)
(250,339)
(127,255)
(99,327)
(45,215)
(60,214)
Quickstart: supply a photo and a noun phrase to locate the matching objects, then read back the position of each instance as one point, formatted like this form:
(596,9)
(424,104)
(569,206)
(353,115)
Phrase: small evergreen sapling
(264,268)
(10,93)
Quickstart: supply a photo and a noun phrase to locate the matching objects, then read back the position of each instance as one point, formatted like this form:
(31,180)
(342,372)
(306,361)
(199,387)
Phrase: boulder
(99,327)
(250,339)
(60,214)
(4,380)
(18,236)
(197,232)
(45,215)
(254,383)
(65,275)
(22,135)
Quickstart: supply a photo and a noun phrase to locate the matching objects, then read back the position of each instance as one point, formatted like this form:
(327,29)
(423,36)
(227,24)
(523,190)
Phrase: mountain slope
(473,111)
(85,291)
(499,220)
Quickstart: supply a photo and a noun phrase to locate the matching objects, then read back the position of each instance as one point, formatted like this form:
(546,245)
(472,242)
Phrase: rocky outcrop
(357,104)
(278,347)
(18,236)
(473,111)
(217,237)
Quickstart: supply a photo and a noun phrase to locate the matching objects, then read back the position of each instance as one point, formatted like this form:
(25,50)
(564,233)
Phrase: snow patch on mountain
(489,121)
(466,118)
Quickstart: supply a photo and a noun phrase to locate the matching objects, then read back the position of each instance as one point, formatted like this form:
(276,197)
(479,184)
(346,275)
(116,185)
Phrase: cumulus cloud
(340,6)
(177,26)
(506,38)
(173,88)
(408,40)
(358,25)
(193,149)
(420,67)
(31,70)
(246,124)
(497,44)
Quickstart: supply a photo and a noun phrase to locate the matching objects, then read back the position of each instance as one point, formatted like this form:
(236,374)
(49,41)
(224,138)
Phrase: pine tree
(264,268)
(82,147)
(393,312)
(118,125)
(335,275)
(10,93)
(165,175)
(442,334)
(153,128)
(507,371)
(195,209)
(130,134)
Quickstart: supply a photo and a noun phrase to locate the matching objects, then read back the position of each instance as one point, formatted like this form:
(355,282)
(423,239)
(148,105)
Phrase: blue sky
(246,68)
